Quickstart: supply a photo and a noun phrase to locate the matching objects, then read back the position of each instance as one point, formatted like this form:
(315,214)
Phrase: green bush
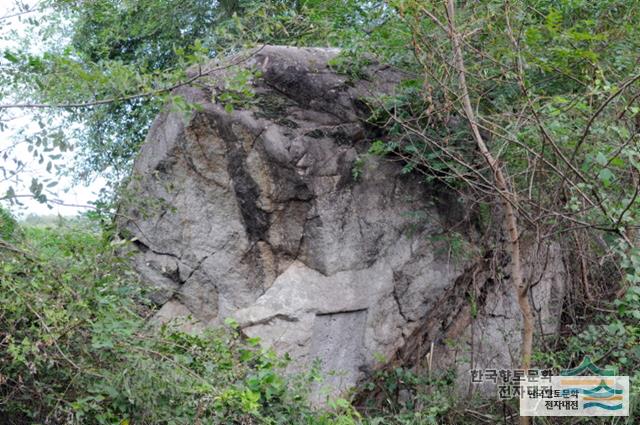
(404,397)
(75,348)
(8,224)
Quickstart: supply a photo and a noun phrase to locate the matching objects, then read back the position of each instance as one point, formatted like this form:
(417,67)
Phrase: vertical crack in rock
(396,298)
(247,192)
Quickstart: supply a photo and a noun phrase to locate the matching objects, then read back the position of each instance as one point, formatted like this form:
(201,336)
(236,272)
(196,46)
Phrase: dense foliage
(75,348)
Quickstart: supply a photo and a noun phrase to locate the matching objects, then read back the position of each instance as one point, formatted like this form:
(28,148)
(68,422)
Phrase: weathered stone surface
(255,214)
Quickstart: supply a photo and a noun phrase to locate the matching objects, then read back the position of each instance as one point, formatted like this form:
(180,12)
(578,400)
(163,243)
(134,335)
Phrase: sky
(66,192)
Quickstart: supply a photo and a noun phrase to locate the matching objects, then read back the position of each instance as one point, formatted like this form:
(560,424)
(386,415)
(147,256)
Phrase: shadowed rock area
(254,213)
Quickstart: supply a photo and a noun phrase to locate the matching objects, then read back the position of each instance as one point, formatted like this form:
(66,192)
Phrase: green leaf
(606,176)
(10,57)
(601,159)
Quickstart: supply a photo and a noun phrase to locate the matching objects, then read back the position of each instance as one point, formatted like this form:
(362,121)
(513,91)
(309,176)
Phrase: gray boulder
(254,213)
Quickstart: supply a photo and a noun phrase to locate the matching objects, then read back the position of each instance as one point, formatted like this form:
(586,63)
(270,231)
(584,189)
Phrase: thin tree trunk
(508,199)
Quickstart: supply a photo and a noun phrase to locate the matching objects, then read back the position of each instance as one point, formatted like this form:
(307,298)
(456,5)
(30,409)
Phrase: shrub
(75,348)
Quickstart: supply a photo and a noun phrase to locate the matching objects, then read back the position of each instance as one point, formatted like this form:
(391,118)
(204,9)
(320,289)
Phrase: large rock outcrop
(254,213)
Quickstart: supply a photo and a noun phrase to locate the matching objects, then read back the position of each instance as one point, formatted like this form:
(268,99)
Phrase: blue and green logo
(600,392)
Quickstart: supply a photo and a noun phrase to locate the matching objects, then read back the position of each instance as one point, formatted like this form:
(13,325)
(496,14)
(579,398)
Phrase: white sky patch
(70,198)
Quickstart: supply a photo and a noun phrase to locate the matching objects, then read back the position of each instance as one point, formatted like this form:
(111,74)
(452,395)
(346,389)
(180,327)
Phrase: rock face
(254,213)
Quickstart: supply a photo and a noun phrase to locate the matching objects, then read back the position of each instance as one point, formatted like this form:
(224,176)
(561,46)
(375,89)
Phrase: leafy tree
(154,38)
(94,74)
(548,97)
